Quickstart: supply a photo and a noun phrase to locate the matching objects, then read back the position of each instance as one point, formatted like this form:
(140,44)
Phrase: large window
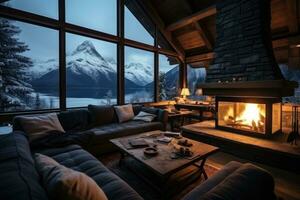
(168,77)
(134,30)
(100,15)
(29,78)
(195,75)
(91,71)
(291,74)
(50,62)
(139,75)
(47,8)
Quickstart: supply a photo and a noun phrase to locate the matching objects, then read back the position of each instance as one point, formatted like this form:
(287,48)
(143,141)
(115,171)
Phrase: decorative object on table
(164,139)
(185,143)
(294,134)
(172,134)
(179,100)
(185,92)
(138,143)
(182,152)
(150,151)
(199,92)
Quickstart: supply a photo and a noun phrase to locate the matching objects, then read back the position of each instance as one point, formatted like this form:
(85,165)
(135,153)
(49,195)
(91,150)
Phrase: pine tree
(13,84)
(37,101)
(162,86)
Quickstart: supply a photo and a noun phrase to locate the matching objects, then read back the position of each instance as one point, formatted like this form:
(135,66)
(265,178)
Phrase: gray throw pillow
(124,113)
(144,116)
(62,183)
(37,126)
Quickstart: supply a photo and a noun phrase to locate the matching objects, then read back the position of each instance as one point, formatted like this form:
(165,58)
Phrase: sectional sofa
(92,128)
(20,179)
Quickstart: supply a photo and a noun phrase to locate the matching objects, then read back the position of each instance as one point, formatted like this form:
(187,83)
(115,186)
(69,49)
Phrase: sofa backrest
(102,114)
(75,120)
(19,179)
(105,114)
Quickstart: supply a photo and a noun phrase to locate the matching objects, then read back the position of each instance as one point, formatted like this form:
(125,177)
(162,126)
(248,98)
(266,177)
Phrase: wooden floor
(287,184)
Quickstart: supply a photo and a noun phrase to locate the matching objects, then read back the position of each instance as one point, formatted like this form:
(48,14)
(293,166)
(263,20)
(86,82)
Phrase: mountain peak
(87,47)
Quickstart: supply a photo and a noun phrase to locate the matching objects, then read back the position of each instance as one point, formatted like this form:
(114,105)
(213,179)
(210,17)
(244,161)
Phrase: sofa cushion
(150,110)
(107,132)
(103,114)
(137,108)
(78,159)
(124,113)
(75,120)
(213,181)
(247,182)
(63,183)
(19,179)
(37,126)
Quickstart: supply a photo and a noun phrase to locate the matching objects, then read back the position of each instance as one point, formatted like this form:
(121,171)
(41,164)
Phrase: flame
(252,116)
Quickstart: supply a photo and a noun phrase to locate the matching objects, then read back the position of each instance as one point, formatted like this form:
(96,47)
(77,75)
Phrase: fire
(250,117)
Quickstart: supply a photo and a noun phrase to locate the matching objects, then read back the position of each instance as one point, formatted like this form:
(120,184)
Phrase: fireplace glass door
(242,116)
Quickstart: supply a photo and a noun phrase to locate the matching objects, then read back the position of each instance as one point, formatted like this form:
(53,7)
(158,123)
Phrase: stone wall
(243,50)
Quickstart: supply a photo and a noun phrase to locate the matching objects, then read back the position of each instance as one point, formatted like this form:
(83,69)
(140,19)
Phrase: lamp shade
(199,92)
(185,92)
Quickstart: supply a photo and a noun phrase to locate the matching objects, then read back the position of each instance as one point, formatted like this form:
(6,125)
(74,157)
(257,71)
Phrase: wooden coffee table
(163,165)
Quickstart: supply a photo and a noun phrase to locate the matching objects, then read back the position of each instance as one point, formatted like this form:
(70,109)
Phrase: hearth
(259,116)
(244,75)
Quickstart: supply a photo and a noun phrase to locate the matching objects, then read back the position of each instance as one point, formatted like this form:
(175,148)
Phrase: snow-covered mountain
(40,68)
(139,73)
(85,68)
(85,60)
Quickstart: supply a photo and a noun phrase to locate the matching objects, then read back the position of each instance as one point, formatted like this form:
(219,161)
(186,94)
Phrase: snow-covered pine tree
(162,86)
(14,89)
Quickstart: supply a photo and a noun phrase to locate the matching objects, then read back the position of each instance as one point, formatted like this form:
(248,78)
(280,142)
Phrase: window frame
(63,28)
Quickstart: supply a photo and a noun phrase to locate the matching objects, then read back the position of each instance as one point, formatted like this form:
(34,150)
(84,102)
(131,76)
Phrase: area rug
(142,187)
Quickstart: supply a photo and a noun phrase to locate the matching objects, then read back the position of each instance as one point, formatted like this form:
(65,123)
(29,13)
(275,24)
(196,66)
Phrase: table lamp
(185,92)
(199,92)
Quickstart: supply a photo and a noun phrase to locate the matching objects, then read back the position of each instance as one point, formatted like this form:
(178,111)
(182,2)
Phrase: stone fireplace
(244,75)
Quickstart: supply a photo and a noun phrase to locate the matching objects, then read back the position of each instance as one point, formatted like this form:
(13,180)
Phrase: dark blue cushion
(75,120)
(19,179)
(76,158)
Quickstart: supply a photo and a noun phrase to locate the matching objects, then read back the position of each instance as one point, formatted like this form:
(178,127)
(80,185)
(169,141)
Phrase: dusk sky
(97,14)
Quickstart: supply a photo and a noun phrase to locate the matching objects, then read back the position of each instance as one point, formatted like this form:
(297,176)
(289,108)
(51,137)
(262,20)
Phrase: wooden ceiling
(190,25)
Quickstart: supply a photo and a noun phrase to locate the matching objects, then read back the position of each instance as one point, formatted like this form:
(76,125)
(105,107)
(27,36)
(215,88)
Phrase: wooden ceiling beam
(192,18)
(203,35)
(292,14)
(199,58)
(162,28)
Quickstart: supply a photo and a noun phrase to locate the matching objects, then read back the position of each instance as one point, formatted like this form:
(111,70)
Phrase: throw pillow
(37,126)
(63,183)
(124,113)
(101,115)
(144,116)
